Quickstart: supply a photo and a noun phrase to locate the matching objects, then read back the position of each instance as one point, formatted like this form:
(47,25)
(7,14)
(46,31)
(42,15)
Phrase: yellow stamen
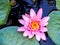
(34,25)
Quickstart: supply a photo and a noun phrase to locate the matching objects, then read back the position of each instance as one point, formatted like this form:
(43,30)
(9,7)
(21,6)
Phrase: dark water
(23,6)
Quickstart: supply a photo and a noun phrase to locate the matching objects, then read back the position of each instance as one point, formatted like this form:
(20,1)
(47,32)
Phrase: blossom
(34,25)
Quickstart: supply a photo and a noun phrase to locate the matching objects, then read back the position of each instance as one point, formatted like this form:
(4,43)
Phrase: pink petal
(31,35)
(27,15)
(39,13)
(26,18)
(21,21)
(34,32)
(44,29)
(32,13)
(43,37)
(25,33)
(44,23)
(21,29)
(38,37)
(45,19)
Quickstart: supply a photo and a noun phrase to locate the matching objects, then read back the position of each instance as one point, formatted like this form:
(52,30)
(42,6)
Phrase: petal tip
(31,10)
(18,29)
(39,13)
(44,39)
(32,13)
(41,9)
(38,39)
(24,35)
(19,20)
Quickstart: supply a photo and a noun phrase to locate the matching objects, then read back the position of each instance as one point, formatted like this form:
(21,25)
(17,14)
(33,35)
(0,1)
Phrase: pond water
(23,6)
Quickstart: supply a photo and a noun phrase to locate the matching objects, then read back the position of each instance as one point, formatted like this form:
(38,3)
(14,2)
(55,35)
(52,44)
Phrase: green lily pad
(54,27)
(4,11)
(58,4)
(10,36)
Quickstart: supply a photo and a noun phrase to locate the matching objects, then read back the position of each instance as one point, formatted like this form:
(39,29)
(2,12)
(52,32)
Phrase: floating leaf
(10,36)
(58,4)
(4,11)
(54,27)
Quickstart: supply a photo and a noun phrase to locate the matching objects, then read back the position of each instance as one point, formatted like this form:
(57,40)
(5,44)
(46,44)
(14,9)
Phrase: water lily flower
(34,25)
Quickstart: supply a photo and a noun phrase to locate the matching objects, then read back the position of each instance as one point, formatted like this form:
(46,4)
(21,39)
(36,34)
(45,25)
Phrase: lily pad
(58,4)
(10,36)
(54,27)
(4,11)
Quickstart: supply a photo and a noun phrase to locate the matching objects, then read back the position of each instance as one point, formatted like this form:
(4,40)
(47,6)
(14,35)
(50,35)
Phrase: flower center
(34,25)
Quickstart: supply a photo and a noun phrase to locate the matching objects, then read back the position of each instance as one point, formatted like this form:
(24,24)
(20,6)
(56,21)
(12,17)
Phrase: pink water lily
(34,25)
